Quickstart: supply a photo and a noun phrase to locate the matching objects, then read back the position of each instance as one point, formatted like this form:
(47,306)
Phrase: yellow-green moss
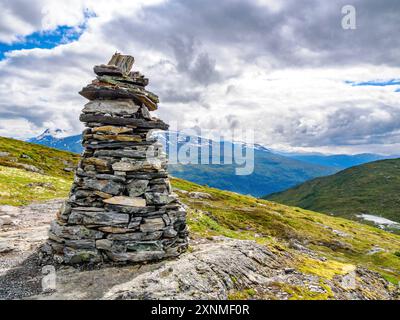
(304,293)
(242,295)
(20,187)
(324,269)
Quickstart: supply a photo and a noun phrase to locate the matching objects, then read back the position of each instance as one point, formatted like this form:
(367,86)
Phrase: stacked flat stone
(121,207)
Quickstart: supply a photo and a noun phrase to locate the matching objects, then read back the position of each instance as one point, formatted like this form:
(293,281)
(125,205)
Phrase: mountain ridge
(340,161)
(272,173)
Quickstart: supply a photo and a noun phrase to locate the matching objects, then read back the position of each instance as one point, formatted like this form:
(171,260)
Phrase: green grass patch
(19,187)
(50,161)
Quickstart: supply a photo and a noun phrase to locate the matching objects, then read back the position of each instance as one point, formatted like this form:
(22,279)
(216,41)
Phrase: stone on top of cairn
(122,62)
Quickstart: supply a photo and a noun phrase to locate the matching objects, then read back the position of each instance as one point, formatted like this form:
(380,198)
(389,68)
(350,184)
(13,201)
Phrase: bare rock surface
(217,269)
(209,272)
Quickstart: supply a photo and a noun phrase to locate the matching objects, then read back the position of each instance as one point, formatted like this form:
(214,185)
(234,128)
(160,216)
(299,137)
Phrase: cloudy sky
(285,68)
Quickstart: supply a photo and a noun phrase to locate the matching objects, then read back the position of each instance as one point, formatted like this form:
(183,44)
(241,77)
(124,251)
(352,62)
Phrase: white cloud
(208,74)
(19,18)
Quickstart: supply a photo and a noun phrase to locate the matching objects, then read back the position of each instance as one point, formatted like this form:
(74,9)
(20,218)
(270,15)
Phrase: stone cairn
(121,207)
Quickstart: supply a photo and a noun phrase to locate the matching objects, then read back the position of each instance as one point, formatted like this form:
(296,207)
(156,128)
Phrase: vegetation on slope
(19,154)
(371,188)
(20,187)
(32,172)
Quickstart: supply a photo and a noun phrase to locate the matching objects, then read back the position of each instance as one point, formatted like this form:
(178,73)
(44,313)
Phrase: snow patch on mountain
(54,133)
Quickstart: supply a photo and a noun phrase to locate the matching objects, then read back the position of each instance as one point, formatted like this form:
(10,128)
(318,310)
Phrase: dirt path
(24,230)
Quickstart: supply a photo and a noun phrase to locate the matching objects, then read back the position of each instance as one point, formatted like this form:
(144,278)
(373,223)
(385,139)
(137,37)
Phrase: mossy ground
(20,187)
(242,295)
(51,161)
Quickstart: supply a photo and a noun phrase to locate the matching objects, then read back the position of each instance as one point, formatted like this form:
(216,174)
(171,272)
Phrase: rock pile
(121,207)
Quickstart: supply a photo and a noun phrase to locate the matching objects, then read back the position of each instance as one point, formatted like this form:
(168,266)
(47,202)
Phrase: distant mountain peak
(55,133)
(59,139)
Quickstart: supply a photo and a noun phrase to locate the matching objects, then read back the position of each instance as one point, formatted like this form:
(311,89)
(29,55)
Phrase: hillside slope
(32,172)
(371,188)
(36,158)
(315,254)
(307,234)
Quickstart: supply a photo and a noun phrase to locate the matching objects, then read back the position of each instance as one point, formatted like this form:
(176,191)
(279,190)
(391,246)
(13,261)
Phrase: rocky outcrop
(121,207)
(225,267)
(210,272)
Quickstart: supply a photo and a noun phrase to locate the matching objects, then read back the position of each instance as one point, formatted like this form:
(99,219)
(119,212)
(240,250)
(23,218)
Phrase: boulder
(109,120)
(122,62)
(107,186)
(135,154)
(5,246)
(199,195)
(159,198)
(5,220)
(120,137)
(74,232)
(136,236)
(138,246)
(81,244)
(136,256)
(75,256)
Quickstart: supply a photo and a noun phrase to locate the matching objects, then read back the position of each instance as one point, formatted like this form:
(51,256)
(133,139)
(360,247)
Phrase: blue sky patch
(375,83)
(47,39)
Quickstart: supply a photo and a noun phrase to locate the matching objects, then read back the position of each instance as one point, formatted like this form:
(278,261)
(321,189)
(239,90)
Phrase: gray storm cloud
(285,35)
